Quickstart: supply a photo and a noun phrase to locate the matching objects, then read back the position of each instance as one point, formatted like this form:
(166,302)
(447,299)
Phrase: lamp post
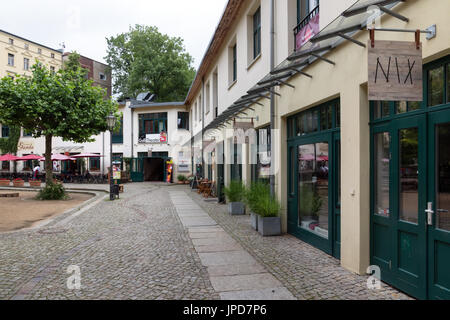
(111,122)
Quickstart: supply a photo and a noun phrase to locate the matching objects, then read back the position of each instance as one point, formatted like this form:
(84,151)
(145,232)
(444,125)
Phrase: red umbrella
(29,157)
(87,155)
(8,157)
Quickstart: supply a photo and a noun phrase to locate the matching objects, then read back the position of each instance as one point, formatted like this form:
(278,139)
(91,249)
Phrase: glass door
(438,206)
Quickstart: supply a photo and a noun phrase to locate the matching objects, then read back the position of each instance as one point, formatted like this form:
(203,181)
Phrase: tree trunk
(48,160)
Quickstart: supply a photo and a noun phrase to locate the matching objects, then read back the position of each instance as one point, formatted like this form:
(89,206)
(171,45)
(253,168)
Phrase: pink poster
(307,32)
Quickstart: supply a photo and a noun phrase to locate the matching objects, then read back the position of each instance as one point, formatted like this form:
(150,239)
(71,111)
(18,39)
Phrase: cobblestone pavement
(133,248)
(304,270)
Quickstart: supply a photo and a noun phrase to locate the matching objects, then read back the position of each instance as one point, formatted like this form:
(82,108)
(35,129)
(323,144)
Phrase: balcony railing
(297,30)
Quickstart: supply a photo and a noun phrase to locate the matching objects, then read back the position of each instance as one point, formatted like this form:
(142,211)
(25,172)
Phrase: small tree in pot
(268,208)
(252,195)
(235,195)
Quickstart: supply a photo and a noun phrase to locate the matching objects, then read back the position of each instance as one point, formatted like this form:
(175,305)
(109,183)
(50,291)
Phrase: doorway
(410,197)
(314,177)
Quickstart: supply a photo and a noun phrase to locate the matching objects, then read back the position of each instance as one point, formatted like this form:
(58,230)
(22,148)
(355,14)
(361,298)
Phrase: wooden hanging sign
(395,71)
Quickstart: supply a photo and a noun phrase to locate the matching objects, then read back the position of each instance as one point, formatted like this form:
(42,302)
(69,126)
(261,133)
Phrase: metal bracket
(431,32)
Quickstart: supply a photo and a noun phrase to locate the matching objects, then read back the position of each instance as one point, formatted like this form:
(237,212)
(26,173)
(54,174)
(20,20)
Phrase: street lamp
(111,122)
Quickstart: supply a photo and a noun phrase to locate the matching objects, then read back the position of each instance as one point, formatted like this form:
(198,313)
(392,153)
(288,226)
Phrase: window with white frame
(11,41)
(200,111)
(215,93)
(257,33)
(10,59)
(26,64)
(207,98)
(232,63)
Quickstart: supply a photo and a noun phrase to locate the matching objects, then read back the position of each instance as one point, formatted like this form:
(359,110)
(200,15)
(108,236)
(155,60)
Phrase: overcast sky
(83,25)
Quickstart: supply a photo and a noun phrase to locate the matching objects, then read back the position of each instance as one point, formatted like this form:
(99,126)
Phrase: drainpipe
(203,124)
(272,96)
(132,131)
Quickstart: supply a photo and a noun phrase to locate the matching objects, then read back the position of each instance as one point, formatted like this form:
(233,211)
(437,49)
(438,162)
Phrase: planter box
(236,208)
(254,220)
(36,183)
(18,183)
(4,183)
(269,226)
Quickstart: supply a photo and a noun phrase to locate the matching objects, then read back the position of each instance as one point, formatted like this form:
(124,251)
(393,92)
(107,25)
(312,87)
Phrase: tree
(63,104)
(145,60)
(10,144)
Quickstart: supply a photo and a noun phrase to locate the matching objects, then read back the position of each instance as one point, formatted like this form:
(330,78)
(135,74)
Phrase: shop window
(404,106)
(381,173)
(152,123)
(337,112)
(436,86)
(27,165)
(183,120)
(118,160)
(5,165)
(326,120)
(94,164)
(381,109)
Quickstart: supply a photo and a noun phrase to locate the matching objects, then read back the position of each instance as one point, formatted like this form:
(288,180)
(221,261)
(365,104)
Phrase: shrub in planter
(35,183)
(54,191)
(269,222)
(181,179)
(18,182)
(235,193)
(252,196)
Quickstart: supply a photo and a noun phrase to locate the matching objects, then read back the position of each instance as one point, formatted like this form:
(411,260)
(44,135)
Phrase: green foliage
(235,192)
(63,104)
(268,206)
(181,178)
(143,59)
(310,201)
(9,145)
(259,200)
(254,193)
(52,191)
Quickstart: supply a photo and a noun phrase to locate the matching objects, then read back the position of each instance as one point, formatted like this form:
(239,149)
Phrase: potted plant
(235,195)
(18,182)
(252,195)
(269,221)
(4,182)
(181,179)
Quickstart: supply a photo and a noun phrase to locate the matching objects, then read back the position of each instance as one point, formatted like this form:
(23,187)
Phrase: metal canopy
(362,8)
(304,53)
(273,78)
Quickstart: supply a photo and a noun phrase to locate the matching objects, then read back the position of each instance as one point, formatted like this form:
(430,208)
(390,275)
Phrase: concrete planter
(254,220)
(269,226)
(18,183)
(236,208)
(35,183)
(4,183)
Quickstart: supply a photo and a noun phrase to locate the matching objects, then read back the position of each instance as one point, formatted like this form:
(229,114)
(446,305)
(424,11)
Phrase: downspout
(132,131)
(272,98)
(203,124)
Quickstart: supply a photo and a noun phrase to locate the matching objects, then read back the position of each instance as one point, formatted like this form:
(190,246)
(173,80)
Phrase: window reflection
(409,174)
(443,177)
(313,188)
(436,86)
(381,173)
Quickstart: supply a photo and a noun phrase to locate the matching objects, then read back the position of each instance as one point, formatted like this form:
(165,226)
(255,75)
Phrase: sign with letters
(395,71)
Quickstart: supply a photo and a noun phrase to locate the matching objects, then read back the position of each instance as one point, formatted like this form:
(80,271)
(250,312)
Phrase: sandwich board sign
(395,71)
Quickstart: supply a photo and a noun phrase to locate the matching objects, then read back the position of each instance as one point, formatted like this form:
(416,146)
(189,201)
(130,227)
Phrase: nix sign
(395,71)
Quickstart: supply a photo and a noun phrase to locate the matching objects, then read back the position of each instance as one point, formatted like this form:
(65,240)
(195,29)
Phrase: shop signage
(25,146)
(307,32)
(154,138)
(395,71)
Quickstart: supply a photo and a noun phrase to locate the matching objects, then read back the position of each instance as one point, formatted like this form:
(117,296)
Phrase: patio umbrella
(58,157)
(29,157)
(8,157)
(87,155)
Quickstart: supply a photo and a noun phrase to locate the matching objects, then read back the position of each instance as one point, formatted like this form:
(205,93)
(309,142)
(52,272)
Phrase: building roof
(228,17)
(144,104)
(38,44)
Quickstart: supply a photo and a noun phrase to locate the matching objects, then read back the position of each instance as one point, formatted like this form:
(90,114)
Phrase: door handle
(429,212)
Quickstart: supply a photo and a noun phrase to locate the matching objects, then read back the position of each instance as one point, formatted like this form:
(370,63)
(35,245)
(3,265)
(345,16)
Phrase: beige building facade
(329,143)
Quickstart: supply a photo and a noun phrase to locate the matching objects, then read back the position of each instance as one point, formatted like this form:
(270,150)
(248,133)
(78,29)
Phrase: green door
(137,169)
(411,203)
(438,226)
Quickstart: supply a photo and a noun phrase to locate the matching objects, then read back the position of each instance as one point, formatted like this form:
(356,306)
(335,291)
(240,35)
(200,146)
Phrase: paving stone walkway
(308,273)
(233,273)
